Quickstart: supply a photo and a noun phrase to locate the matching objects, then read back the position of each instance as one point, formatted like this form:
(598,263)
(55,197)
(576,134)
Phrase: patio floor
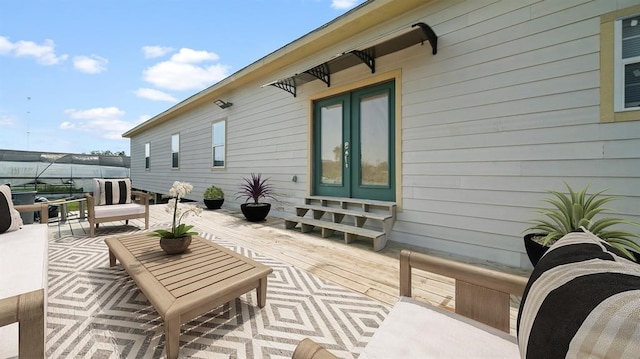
(318,270)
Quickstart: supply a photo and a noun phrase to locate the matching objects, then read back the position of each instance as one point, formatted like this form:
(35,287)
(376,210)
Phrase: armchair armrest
(308,349)
(482,294)
(42,207)
(143,196)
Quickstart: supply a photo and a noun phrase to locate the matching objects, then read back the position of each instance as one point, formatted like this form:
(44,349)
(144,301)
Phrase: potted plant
(178,238)
(255,188)
(572,212)
(213,197)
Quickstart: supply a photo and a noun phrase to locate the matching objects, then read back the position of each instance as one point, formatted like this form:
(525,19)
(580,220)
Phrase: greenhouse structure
(58,175)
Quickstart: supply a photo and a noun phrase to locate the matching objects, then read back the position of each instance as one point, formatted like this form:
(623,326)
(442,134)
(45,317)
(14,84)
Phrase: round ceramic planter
(175,245)
(255,213)
(213,203)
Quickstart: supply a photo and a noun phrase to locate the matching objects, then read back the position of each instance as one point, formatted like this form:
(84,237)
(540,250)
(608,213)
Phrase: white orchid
(179,211)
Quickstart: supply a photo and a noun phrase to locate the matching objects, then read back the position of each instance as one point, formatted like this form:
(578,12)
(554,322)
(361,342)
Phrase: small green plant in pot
(213,197)
(572,211)
(255,188)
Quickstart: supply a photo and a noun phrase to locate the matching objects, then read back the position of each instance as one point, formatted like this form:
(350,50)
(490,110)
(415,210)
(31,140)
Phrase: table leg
(172,337)
(261,291)
(112,259)
(64,212)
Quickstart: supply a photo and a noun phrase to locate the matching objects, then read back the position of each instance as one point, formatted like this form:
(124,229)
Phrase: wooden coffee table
(184,286)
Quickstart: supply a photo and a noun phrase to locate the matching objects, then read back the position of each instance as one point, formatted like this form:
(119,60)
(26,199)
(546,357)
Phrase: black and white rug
(95,311)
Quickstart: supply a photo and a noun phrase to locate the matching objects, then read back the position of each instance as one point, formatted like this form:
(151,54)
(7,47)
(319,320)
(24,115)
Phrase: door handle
(346,155)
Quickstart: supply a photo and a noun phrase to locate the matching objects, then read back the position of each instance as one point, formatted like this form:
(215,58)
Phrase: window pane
(147,154)
(174,160)
(218,156)
(631,37)
(331,144)
(374,121)
(218,133)
(632,85)
(175,150)
(175,143)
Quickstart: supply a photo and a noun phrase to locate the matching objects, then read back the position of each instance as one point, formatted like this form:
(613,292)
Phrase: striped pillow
(582,301)
(114,191)
(10,219)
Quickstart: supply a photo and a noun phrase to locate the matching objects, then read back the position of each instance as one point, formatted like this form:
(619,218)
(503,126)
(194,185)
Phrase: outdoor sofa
(582,300)
(23,279)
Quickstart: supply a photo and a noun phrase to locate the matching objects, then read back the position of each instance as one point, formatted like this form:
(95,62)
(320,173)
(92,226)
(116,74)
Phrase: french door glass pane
(374,142)
(331,144)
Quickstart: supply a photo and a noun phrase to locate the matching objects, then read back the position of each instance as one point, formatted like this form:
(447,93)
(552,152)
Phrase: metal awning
(417,33)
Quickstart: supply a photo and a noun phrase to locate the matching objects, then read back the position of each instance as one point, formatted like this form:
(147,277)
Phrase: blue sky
(76,74)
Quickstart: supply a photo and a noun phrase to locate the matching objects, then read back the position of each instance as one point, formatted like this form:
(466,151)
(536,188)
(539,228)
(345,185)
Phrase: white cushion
(23,268)
(415,329)
(115,210)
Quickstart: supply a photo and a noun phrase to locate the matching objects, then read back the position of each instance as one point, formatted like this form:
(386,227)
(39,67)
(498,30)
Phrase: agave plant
(577,209)
(255,188)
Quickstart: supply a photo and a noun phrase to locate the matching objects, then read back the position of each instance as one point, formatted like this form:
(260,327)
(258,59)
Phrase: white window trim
(178,152)
(618,69)
(147,155)
(213,145)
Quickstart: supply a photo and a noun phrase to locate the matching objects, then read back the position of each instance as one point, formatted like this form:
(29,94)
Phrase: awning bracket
(368,57)
(321,72)
(288,84)
(430,34)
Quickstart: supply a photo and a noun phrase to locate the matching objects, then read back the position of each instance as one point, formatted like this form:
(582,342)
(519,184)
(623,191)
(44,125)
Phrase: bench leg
(261,291)
(172,337)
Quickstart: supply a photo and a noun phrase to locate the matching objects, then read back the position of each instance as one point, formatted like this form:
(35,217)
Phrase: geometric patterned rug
(96,311)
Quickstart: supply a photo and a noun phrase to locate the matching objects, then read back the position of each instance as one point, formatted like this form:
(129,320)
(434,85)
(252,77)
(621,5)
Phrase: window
(175,151)
(147,155)
(627,63)
(217,143)
(620,65)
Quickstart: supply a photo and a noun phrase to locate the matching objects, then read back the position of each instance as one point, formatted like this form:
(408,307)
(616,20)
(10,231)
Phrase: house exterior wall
(509,107)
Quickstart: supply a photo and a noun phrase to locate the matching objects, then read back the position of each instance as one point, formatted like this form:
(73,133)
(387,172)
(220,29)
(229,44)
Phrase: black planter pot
(255,213)
(535,250)
(213,203)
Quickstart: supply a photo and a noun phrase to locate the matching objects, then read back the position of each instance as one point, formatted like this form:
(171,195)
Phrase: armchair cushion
(582,301)
(112,191)
(119,210)
(10,219)
(414,329)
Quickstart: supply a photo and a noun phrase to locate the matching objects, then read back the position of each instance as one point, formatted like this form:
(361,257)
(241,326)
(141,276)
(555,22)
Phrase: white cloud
(343,4)
(189,56)
(90,64)
(182,71)
(7,121)
(151,52)
(105,122)
(155,95)
(43,53)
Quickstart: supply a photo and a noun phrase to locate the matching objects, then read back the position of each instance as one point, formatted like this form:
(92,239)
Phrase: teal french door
(354,144)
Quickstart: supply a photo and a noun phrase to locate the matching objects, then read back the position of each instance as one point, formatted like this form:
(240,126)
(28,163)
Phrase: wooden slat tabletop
(206,271)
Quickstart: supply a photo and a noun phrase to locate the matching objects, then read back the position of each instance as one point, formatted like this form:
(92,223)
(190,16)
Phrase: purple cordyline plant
(255,188)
